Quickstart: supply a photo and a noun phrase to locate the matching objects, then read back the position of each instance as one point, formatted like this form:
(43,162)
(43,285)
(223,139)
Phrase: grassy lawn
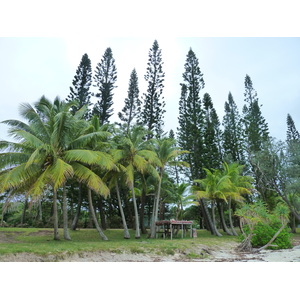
(40,241)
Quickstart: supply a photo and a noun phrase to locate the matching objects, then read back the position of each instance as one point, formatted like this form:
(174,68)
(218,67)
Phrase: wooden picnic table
(171,228)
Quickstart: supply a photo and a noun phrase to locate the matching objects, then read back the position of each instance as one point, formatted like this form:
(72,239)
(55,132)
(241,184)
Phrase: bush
(264,232)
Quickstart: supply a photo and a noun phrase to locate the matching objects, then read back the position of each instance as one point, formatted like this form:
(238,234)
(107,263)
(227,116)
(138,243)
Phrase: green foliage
(81,85)
(232,137)
(132,104)
(153,106)
(105,78)
(191,116)
(262,225)
(264,232)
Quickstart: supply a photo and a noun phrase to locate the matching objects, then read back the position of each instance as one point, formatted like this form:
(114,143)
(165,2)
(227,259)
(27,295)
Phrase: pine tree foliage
(153,106)
(212,157)
(82,81)
(292,133)
(132,107)
(255,125)
(190,130)
(232,133)
(105,79)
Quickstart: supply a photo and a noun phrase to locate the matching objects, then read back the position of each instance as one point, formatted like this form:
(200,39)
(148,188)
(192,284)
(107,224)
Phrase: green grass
(25,240)
(89,240)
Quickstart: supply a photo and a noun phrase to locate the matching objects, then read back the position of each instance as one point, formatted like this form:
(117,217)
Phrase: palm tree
(182,199)
(166,152)
(114,176)
(241,185)
(135,156)
(213,187)
(46,154)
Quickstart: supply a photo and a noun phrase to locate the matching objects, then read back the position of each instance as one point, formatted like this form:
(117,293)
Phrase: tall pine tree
(153,106)
(232,134)
(255,125)
(82,81)
(256,135)
(190,130)
(212,156)
(105,79)
(132,107)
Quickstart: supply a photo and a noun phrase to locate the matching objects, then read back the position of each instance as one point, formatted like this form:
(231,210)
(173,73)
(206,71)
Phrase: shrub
(264,232)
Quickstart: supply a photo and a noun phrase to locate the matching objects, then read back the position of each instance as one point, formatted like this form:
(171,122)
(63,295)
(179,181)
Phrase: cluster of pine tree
(207,143)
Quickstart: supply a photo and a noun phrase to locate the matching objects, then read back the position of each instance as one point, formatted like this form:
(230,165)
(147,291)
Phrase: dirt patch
(41,233)
(9,237)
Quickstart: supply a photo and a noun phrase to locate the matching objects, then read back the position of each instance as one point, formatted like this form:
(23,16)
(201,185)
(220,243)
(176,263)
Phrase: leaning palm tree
(45,154)
(241,186)
(166,152)
(214,188)
(134,154)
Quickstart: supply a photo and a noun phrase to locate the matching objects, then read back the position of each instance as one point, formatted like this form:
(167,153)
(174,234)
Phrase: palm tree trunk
(24,211)
(293,223)
(230,218)
(101,211)
(78,209)
(142,211)
(155,209)
(126,232)
(101,233)
(55,215)
(137,225)
(206,216)
(216,232)
(40,211)
(222,217)
(65,215)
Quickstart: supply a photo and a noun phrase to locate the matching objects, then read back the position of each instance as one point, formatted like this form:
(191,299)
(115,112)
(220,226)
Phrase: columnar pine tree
(256,135)
(190,131)
(232,134)
(212,157)
(132,107)
(105,78)
(292,133)
(255,125)
(153,107)
(82,81)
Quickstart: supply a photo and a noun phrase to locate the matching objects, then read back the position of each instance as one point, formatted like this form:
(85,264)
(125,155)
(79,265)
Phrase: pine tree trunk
(230,218)
(222,218)
(101,233)
(136,214)
(55,215)
(78,209)
(126,232)
(65,215)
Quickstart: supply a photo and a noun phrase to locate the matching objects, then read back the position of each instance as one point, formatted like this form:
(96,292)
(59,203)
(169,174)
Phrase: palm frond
(91,179)
(60,172)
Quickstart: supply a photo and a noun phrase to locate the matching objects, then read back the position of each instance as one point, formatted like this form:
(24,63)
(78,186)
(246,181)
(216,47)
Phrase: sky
(36,66)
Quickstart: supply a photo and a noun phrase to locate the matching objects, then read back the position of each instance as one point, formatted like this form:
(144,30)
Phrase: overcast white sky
(32,67)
